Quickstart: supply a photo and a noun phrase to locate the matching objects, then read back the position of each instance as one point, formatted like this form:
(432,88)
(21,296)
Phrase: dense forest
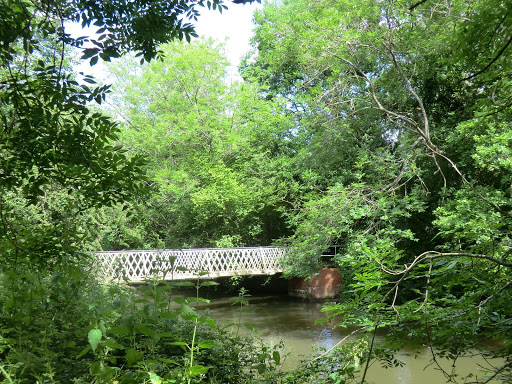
(380,126)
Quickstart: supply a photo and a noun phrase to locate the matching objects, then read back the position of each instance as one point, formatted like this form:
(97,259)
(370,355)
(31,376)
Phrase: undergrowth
(63,326)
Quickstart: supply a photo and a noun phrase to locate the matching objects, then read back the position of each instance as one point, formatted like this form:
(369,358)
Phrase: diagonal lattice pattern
(181,264)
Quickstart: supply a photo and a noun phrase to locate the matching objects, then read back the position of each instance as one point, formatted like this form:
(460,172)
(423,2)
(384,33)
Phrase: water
(293,321)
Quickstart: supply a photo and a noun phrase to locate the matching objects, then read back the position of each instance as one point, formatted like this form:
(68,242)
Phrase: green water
(293,321)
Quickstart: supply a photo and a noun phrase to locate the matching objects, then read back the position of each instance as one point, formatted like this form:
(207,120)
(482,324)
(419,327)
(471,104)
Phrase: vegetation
(406,109)
(379,126)
(62,174)
(211,149)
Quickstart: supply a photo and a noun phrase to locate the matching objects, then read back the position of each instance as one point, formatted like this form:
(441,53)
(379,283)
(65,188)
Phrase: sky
(234,26)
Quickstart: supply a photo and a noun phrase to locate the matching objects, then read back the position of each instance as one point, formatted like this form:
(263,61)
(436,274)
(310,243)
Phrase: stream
(293,321)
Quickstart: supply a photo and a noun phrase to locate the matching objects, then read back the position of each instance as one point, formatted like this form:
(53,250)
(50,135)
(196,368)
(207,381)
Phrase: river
(293,321)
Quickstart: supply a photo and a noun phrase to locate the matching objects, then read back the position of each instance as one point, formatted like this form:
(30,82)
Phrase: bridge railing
(181,264)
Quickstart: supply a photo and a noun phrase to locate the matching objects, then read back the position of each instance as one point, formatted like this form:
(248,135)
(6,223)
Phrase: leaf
(132,356)
(112,344)
(208,321)
(167,361)
(89,52)
(84,351)
(250,327)
(206,344)
(179,343)
(89,79)
(94,337)
(180,300)
(119,330)
(277,357)
(93,61)
(197,300)
(155,379)
(101,326)
(145,330)
(198,370)
(187,313)
(169,315)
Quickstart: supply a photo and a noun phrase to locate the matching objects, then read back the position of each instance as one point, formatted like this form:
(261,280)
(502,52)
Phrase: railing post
(209,262)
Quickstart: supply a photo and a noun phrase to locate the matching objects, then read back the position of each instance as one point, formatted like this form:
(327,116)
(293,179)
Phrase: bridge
(183,264)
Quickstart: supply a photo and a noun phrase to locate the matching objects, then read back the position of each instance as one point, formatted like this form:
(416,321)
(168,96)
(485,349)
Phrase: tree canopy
(211,150)
(52,135)
(408,106)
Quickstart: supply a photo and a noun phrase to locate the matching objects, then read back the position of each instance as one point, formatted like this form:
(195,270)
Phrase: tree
(58,164)
(51,134)
(209,146)
(420,196)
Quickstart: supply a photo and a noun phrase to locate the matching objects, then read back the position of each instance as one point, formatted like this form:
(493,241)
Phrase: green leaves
(212,157)
(405,150)
(94,336)
(133,356)
(196,370)
(141,29)
(70,145)
(206,344)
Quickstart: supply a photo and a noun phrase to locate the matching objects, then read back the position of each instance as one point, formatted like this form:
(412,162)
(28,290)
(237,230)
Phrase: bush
(65,327)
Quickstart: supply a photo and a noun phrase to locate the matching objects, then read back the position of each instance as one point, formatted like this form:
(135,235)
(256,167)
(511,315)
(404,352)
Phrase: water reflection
(293,321)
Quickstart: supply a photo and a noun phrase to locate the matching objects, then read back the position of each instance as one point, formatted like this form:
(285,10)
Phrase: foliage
(68,328)
(60,168)
(406,115)
(337,366)
(210,149)
(51,134)
(382,126)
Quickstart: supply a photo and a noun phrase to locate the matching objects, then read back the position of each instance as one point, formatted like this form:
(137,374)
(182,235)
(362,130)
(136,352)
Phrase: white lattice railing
(173,264)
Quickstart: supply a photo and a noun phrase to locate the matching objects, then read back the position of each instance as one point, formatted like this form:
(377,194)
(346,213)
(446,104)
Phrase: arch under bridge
(138,266)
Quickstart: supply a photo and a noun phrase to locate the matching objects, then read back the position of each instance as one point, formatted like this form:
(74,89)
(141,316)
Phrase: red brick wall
(324,285)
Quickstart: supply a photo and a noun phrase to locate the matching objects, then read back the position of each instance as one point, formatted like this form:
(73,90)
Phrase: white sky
(233,26)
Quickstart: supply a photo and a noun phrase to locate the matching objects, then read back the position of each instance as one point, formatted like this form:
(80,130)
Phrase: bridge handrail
(168,264)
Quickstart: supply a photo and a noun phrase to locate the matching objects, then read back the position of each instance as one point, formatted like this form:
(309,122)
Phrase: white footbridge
(183,264)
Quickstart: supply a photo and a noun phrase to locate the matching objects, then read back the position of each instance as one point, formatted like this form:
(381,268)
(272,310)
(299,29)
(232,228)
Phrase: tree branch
(415,5)
(429,255)
(498,55)
(426,129)
(426,136)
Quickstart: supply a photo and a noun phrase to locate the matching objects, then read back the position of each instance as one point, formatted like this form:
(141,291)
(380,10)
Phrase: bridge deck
(184,264)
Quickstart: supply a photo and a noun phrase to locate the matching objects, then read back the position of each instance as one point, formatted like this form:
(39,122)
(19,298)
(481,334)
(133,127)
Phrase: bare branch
(380,107)
(426,136)
(426,130)
(427,328)
(429,255)
(335,345)
(486,300)
(439,170)
(465,181)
